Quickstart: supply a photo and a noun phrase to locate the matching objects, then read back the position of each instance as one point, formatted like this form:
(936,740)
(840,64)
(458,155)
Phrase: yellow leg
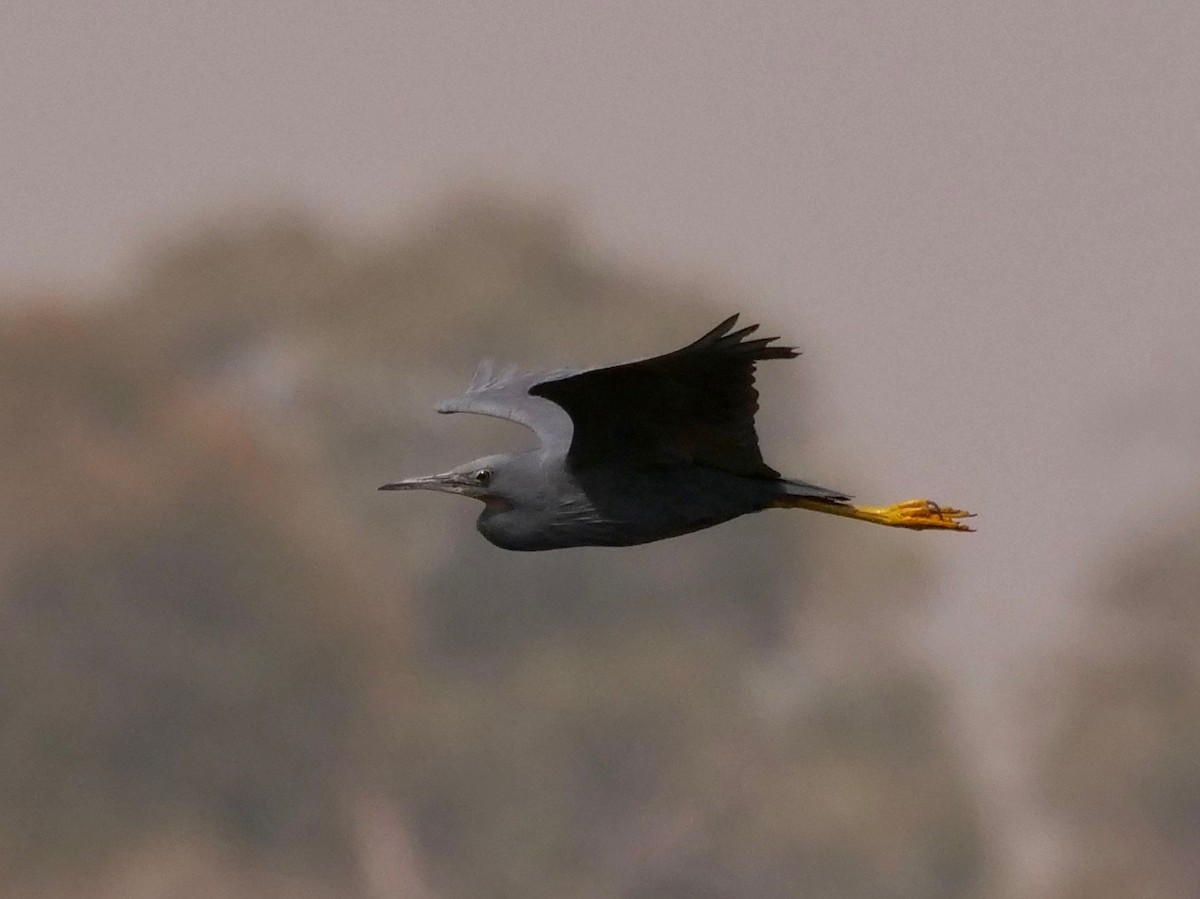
(915,514)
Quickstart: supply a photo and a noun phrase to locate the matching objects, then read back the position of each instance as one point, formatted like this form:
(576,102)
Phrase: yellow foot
(915,514)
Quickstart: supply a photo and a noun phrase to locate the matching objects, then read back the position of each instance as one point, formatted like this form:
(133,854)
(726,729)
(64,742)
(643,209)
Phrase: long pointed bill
(448,482)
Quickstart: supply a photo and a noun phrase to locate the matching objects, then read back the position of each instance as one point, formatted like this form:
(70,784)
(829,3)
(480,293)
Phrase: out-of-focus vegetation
(230,667)
(1125,763)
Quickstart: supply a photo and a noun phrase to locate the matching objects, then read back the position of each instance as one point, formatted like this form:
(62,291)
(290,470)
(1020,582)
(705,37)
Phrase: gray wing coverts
(505,394)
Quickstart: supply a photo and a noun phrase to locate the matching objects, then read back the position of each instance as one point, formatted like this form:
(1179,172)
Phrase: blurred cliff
(228,666)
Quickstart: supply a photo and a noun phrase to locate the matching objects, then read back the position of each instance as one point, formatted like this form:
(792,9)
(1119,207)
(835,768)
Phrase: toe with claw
(921,514)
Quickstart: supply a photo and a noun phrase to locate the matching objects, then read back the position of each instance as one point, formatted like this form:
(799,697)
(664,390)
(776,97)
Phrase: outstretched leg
(915,514)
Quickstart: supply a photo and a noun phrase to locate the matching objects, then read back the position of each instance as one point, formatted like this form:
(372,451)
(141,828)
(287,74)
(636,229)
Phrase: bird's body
(607,507)
(639,452)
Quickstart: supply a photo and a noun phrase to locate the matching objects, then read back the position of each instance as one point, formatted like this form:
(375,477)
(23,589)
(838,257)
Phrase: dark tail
(800,490)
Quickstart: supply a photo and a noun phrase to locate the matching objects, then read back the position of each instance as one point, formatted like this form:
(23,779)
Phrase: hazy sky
(981,220)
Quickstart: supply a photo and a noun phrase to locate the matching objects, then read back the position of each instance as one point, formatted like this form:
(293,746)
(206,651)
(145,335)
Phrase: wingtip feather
(724,338)
(716,333)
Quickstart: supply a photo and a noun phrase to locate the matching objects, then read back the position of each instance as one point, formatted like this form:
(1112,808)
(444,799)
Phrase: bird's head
(493,480)
(529,502)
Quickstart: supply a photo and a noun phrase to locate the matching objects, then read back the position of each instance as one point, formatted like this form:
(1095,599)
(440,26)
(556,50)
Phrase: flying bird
(641,451)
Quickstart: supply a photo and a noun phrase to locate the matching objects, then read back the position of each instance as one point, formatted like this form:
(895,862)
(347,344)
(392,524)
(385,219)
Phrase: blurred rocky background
(230,667)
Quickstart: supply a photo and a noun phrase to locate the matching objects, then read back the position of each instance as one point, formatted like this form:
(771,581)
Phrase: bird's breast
(616,508)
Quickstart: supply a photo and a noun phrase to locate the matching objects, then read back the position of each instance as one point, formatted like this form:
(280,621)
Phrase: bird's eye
(483,477)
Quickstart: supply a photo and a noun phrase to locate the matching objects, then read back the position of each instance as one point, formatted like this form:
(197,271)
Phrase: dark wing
(694,406)
(505,394)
